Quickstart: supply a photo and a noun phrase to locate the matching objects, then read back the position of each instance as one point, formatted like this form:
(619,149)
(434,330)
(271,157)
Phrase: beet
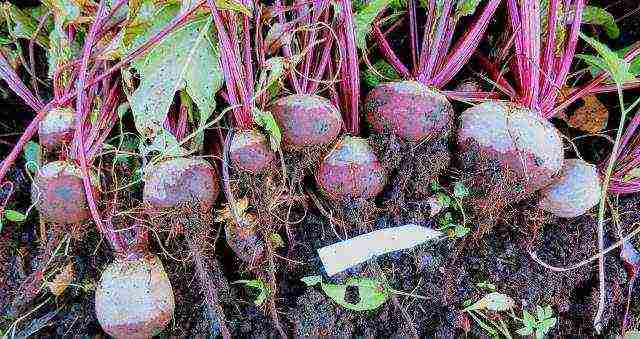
(59,195)
(245,241)
(409,110)
(57,128)
(134,298)
(351,170)
(250,151)
(181,182)
(306,120)
(509,148)
(576,191)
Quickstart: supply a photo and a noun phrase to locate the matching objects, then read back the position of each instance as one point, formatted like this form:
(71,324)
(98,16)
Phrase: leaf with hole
(186,59)
(372,293)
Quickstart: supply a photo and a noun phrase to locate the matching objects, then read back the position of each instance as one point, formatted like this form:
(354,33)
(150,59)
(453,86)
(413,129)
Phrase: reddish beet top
(181,181)
(245,242)
(516,140)
(306,120)
(60,193)
(57,128)
(410,110)
(250,151)
(134,298)
(351,170)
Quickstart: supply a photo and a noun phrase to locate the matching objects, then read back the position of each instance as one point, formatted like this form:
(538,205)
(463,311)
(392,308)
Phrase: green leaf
(64,11)
(233,5)
(460,190)
(617,67)
(443,199)
(61,50)
(461,231)
(435,186)
(598,16)
(466,7)
(525,331)
(548,324)
(364,18)
(32,153)
(270,76)
(372,293)
(528,319)
(187,60)
(372,77)
(22,25)
(493,302)
(268,122)
(257,284)
(312,280)
(634,334)
(14,216)
(487,286)
(276,240)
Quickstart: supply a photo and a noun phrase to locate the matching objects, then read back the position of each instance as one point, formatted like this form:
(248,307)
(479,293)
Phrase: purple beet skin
(59,194)
(351,170)
(515,142)
(306,121)
(409,110)
(250,151)
(181,182)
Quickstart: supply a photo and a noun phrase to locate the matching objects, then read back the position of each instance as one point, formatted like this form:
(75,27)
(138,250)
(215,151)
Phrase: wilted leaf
(632,174)
(598,16)
(268,122)
(185,59)
(61,50)
(64,11)
(493,302)
(62,280)
(372,293)
(14,216)
(363,19)
(279,35)
(591,117)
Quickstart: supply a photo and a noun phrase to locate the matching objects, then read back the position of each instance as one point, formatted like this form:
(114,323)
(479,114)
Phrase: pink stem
(425,73)
(353,75)
(388,53)
(466,45)
(550,48)
(413,35)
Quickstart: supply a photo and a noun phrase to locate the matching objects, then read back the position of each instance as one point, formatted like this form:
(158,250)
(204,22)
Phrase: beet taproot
(306,121)
(57,128)
(180,182)
(576,191)
(351,170)
(59,194)
(134,298)
(522,151)
(409,110)
(245,241)
(250,151)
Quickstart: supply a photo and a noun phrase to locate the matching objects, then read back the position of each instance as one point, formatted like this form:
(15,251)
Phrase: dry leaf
(62,280)
(591,117)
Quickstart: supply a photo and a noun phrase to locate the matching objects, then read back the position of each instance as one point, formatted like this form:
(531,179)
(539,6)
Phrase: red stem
(388,53)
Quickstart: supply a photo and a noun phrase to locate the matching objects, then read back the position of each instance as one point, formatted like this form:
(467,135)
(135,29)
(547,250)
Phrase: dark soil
(443,275)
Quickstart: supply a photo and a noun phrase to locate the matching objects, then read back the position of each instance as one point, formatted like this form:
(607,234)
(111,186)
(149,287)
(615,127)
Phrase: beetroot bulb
(412,118)
(57,128)
(509,150)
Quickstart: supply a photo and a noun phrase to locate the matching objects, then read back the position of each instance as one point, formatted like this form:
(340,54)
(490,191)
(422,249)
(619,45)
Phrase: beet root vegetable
(409,110)
(250,151)
(306,121)
(576,191)
(181,181)
(513,149)
(59,193)
(245,242)
(134,298)
(351,170)
(57,127)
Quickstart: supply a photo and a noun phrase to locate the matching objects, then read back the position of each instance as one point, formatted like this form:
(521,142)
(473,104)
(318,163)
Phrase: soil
(440,277)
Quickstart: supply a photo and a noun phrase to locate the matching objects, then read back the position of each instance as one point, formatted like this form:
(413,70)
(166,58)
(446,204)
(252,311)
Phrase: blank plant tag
(346,254)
